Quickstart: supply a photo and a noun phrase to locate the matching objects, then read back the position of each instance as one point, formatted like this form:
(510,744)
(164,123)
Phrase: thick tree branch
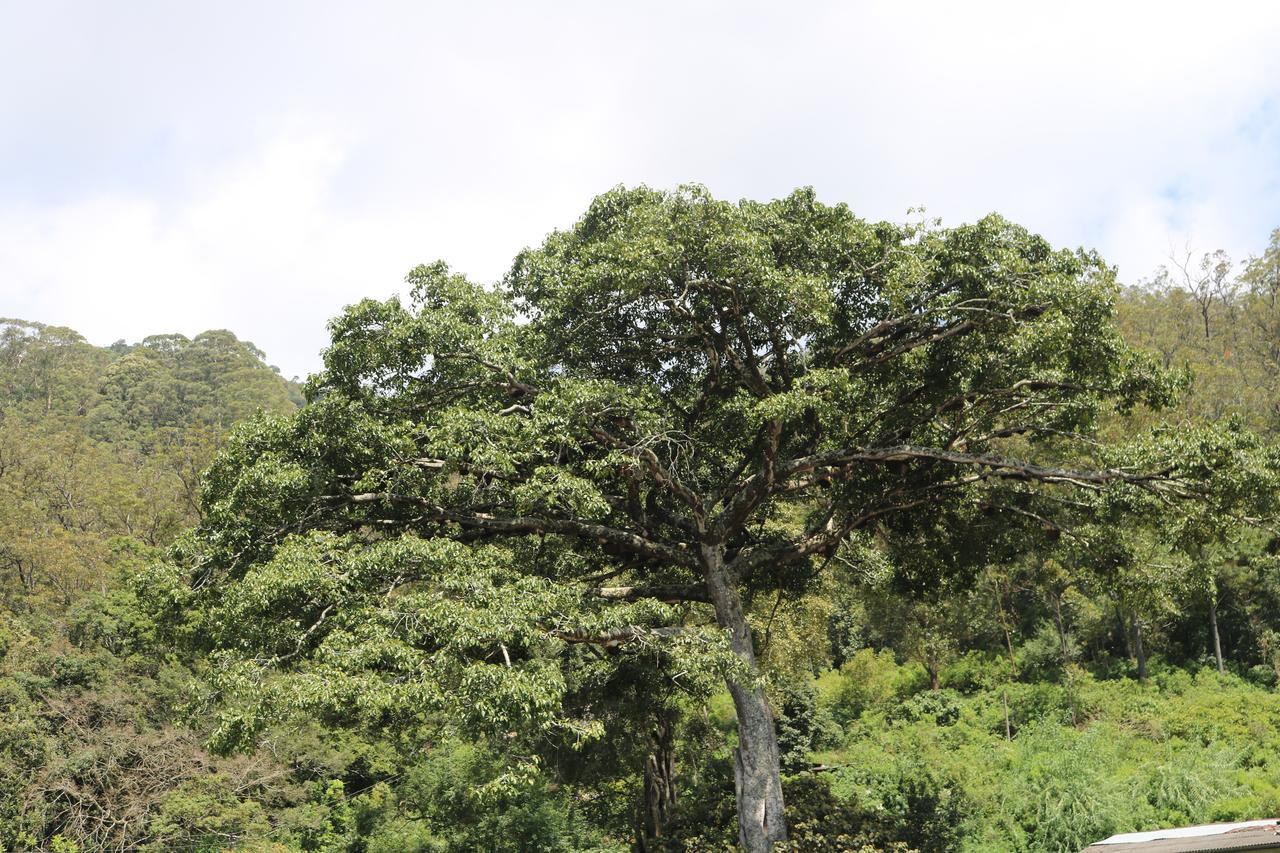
(438,465)
(877,345)
(668,594)
(824,541)
(807,471)
(756,489)
(617,637)
(994,466)
(513,384)
(519,525)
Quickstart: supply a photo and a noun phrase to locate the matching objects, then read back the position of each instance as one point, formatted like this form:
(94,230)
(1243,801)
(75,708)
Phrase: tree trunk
(1008,634)
(1213,626)
(1062,627)
(1138,648)
(931,667)
(659,783)
(1124,632)
(757,772)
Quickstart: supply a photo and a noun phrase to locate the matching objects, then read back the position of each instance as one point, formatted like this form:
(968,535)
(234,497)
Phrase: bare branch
(656,468)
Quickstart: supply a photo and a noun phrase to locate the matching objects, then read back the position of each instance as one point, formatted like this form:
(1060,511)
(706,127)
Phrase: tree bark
(1062,627)
(1213,626)
(1125,634)
(659,783)
(757,771)
(1139,649)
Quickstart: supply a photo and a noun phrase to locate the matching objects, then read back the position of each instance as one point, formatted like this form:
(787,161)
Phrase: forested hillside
(101,451)
(196,658)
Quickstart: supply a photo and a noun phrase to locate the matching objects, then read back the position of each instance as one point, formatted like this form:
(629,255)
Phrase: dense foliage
(319,667)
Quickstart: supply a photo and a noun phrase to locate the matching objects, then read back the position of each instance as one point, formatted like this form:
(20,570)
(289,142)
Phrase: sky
(176,167)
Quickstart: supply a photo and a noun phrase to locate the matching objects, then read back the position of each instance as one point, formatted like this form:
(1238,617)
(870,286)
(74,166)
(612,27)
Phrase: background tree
(1209,282)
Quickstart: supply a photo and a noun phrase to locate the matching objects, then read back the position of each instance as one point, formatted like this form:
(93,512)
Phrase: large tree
(678,400)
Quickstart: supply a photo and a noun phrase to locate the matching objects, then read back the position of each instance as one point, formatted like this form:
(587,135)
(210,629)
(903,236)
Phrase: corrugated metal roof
(1250,835)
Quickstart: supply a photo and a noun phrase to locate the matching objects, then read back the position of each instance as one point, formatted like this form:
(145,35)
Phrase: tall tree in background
(694,400)
(1208,282)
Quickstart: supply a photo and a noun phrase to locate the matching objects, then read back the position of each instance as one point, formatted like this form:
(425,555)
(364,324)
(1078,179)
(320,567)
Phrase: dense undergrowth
(1051,765)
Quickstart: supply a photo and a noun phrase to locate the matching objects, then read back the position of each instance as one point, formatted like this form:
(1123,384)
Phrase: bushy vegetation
(1009,769)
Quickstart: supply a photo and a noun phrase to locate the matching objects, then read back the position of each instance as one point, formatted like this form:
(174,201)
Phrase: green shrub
(977,670)
(940,707)
(872,680)
(471,802)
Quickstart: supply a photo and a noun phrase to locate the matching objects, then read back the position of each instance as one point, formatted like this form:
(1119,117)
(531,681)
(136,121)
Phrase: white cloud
(231,255)
(166,167)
